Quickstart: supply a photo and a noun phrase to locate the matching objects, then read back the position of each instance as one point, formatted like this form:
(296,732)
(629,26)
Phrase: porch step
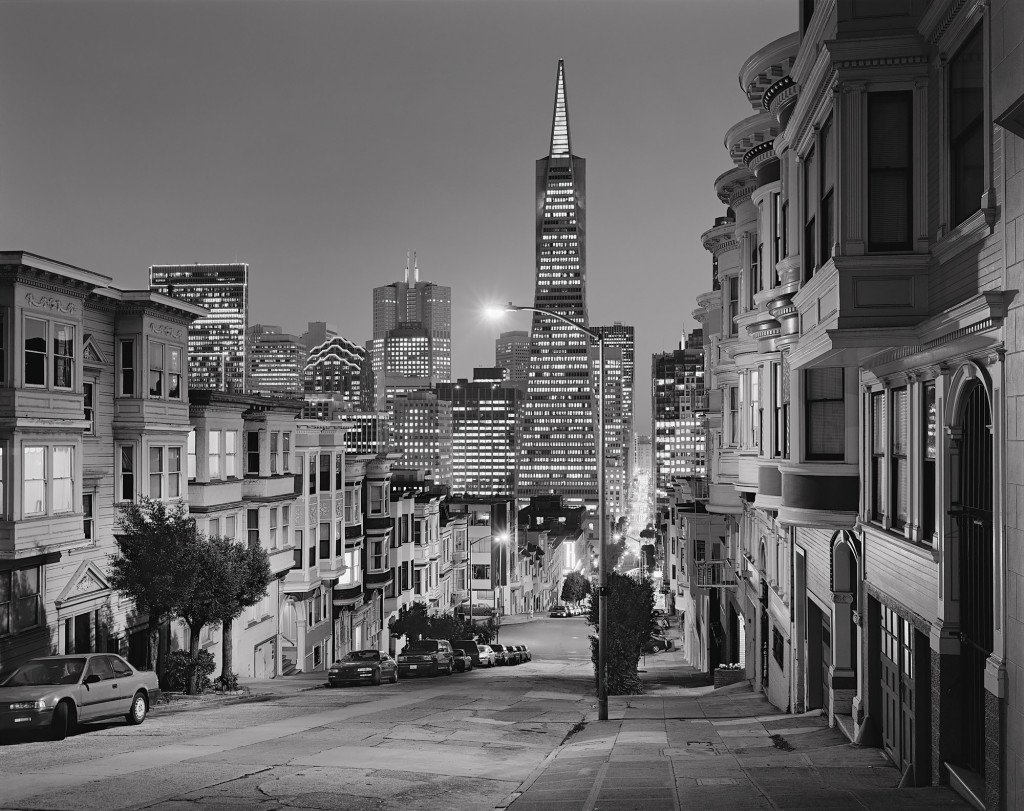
(287,666)
(968,785)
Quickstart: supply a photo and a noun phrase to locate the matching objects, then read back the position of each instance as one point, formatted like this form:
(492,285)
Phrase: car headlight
(39,704)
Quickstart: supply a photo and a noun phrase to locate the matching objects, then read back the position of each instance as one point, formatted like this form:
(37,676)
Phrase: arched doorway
(974,531)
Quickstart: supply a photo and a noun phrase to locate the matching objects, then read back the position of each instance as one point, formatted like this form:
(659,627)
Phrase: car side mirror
(92,678)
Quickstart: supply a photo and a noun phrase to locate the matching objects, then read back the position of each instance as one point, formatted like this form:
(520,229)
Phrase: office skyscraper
(412,335)
(512,353)
(621,337)
(557,447)
(216,342)
(275,360)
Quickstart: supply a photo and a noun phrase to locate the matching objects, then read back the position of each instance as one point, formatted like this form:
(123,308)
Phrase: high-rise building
(679,408)
(421,431)
(616,447)
(275,360)
(512,353)
(216,342)
(621,336)
(619,344)
(335,367)
(483,433)
(412,335)
(557,448)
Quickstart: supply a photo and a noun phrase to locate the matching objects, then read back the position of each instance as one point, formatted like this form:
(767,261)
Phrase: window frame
(974,130)
(89,406)
(820,456)
(874,100)
(8,618)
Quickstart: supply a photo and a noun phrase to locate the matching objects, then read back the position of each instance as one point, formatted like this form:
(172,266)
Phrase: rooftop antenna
(407,267)
(415,268)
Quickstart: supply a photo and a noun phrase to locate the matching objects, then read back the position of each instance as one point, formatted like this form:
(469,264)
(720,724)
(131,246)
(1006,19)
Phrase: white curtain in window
(63,485)
(33,480)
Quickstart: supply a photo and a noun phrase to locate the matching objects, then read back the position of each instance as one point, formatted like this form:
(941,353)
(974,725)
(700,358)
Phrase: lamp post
(602,591)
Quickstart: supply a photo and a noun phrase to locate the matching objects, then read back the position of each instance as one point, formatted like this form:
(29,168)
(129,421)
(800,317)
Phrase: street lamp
(501,538)
(602,591)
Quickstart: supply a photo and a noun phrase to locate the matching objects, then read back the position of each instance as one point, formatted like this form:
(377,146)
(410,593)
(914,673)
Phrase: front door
(898,688)
(826,662)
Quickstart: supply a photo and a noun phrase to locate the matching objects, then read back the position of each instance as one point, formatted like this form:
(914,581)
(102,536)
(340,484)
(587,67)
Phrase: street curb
(531,778)
(174,707)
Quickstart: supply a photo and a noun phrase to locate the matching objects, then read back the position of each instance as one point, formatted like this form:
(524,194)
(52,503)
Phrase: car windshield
(422,645)
(362,656)
(483,648)
(47,671)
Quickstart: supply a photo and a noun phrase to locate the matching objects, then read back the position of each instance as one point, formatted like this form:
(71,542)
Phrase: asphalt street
(465,741)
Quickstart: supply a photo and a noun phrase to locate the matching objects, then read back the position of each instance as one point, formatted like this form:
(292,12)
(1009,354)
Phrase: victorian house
(863,347)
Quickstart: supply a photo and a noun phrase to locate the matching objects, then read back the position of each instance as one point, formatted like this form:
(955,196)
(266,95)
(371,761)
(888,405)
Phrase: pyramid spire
(560,147)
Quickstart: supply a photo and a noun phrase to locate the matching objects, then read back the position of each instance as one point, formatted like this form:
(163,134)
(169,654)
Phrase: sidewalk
(679,747)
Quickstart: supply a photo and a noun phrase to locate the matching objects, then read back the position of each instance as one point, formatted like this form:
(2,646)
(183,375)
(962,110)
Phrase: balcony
(715,574)
(819,494)
(214,494)
(281,560)
(269,488)
(140,414)
(44,403)
(724,499)
(43,535)
(769,485)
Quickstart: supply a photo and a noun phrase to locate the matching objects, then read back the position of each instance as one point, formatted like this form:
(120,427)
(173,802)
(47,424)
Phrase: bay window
(33,480)
(127,464)
(825,412)
(890,171)
(126,357)
(20,591)
(35,352)
(900,475)
(967,128)
(213,454)
(48,480)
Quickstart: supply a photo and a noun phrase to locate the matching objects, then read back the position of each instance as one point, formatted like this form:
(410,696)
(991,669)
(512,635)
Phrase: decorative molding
(50,303)
(166,331)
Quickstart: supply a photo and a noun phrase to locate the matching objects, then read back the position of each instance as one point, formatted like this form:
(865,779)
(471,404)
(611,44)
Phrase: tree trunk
(193,651)
(155,662)
(227,652)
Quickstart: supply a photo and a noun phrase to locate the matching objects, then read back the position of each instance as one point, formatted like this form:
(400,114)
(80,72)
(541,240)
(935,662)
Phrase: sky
(321,140)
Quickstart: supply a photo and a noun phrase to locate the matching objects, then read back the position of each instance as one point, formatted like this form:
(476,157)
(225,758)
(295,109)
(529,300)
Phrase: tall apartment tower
(421,431)
(216,342)
(679,408)
(412,335)
(557,449)
(512,353)
(274,360)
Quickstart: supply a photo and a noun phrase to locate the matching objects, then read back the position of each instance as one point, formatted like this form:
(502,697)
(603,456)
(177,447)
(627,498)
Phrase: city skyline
(278,136)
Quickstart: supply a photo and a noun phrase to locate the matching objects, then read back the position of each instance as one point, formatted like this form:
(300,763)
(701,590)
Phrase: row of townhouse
(859,549)
(97,411)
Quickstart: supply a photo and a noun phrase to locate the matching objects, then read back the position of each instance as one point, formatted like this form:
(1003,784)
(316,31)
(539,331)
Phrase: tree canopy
(574,588)
(630,617)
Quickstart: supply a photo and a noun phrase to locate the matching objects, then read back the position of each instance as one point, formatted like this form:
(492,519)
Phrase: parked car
(524,653)
(663,623)
(363,666)
(433,656)
(558,610)
(503,656)
(54,693)
(485,656)
(658,643)
(463,659)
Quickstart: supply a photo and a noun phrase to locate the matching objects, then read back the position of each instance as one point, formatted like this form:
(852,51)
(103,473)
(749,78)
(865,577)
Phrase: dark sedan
(56,692)
(361,666)
(463,660)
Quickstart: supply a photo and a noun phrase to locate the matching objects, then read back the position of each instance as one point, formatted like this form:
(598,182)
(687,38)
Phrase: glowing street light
(602,591)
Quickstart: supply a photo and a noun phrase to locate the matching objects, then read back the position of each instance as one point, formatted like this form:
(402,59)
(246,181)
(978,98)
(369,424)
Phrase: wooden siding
(815,542)
(902,570)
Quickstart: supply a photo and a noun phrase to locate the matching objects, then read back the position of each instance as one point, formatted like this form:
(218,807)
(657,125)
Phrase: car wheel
(376,678)
(63,721)
(137,714)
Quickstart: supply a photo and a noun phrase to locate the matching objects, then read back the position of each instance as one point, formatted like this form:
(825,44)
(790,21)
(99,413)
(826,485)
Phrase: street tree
(412,622)
(251,566)
(574,588)
(630,618)
(157,545)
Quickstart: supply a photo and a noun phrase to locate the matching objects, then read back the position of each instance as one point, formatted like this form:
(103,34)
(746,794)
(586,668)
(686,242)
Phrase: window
(325,540)
(351,506)
(826,416)
(734,415)
(213,454)
(192,454)
(252,453)
(88,405)
(3,347)
(63,356)
(755,408)
(778,647)
(252,527)
(378,503)
(230,454)
(298,549)
(19,599)
(33,480)
(878,423)
(127,473)
(930,425)
(286,450)
(229,527)
(826,205)
(890,171)
(311,481)
(274,435)
(127,358)
(756,253)
(733,284)
(156,369)
(339,472)
(378,555)
(898,463)
(87,517)
(780,384)
(174,373)
(214,528)
(339,538)
(810,213)
(273,527)
(35,352)
(174,472)
(286,514)
(156,472)
(966,128)
(325,473)
(778,235)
